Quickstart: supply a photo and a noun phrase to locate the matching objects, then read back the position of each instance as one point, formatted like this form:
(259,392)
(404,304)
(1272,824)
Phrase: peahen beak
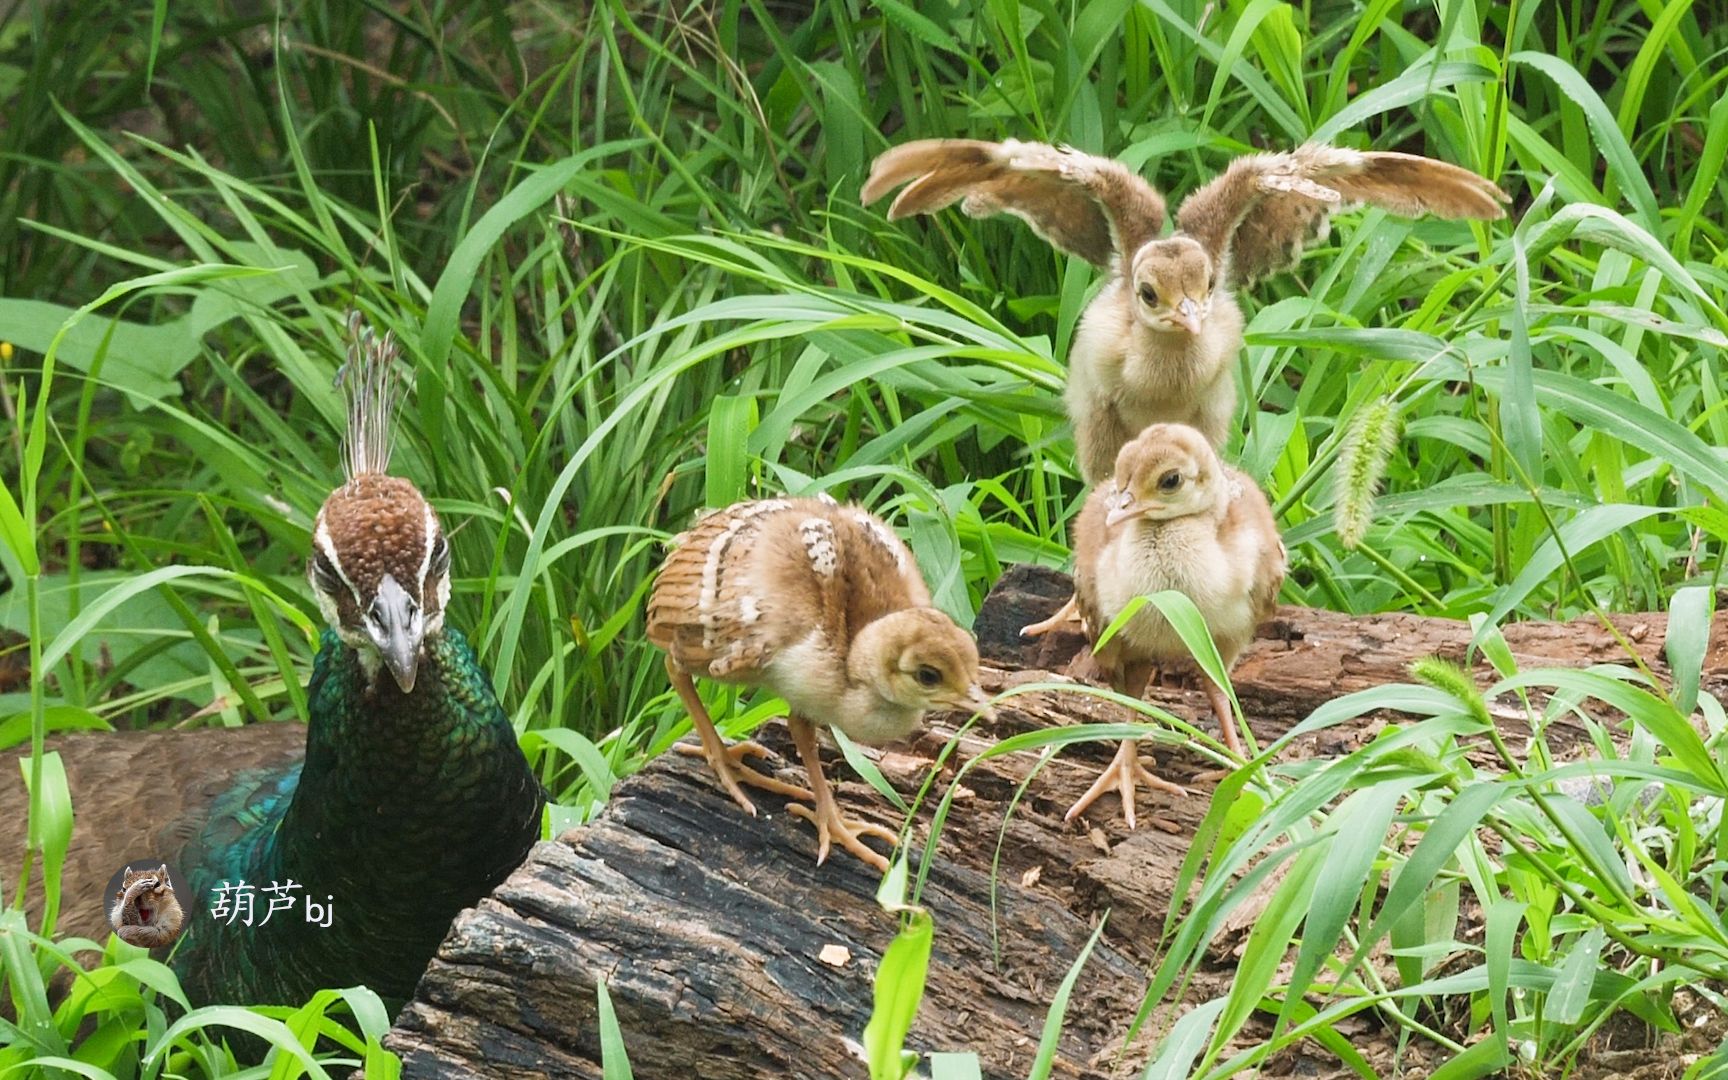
(396,626)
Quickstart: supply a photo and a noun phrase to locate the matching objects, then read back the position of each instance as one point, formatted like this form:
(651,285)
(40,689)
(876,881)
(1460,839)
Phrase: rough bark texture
(709,927)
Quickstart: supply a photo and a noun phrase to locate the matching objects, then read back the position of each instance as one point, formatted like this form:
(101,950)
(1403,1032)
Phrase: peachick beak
(1188,315)
(976,700)
(1119,514)
(396,628)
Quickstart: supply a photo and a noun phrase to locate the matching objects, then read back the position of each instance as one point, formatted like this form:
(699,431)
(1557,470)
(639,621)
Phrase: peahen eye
(324,574)
(929,676)
(1170,481)
(440,563)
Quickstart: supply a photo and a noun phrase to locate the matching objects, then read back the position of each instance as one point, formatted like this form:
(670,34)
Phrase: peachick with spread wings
(1158,343)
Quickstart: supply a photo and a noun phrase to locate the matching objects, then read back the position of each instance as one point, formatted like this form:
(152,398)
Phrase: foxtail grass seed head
(1361,467)
(1450,679)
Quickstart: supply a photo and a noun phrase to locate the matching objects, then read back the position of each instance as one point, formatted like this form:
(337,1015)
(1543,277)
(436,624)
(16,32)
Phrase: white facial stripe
(321,537)
(431,542)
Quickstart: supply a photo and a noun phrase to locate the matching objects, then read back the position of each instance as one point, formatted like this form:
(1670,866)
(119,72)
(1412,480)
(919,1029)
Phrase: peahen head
(380,562)
(381,571)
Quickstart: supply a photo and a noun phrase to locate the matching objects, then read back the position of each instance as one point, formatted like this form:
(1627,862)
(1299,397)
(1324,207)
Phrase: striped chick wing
(748,581)
(708,610)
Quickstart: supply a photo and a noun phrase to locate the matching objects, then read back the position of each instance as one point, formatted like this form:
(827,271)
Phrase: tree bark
(710,927)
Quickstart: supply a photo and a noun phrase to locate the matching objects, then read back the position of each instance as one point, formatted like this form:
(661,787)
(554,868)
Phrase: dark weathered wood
(708,926)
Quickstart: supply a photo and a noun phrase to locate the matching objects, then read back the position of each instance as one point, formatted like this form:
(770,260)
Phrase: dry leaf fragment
(835,955)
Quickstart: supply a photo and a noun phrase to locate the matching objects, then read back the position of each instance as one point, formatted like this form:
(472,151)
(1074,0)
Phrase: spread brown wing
(1255,219)
(1090,206)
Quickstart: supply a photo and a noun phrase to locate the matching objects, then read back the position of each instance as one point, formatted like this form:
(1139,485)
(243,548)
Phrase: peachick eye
(929,676)
(1170,481)
(1148,295)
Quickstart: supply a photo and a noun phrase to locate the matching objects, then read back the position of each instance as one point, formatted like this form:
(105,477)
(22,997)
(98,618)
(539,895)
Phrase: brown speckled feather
(136,796)
(745,582)
(1091,206)
(379,525)
(1256,218)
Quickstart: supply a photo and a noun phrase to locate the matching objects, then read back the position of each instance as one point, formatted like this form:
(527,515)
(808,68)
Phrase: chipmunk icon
(145,911)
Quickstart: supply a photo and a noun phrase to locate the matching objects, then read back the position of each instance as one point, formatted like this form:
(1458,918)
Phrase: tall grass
(623,247)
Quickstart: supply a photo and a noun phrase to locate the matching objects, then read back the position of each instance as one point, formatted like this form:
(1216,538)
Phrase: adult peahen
(404,800)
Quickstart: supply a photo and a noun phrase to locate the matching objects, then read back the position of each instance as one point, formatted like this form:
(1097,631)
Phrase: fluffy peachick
(823,605)
(1158,344)
(1172,517)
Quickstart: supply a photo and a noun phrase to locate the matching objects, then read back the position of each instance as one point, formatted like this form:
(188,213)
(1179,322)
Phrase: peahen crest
(373,387)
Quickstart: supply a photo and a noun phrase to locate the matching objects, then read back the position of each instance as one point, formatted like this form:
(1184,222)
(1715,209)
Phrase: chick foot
(1067,613)
(732,771)
(830,824)
(1121,776)
(727,762)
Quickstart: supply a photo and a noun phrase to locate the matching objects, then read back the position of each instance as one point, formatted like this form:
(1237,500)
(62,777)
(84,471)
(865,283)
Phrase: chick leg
(1121,776)
(728,764)
(826,816)
(1226,715)
(1067,613)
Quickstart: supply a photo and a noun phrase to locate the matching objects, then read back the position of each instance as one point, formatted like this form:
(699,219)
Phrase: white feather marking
(748,609)
(708,602)
(818,534)
(431,542)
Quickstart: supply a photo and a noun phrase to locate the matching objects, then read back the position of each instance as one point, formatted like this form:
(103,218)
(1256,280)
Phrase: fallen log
(729,954)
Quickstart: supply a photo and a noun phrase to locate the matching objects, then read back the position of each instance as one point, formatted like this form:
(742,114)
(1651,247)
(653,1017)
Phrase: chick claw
(1067,613)
(831,824)
(735,770)
(1121,776)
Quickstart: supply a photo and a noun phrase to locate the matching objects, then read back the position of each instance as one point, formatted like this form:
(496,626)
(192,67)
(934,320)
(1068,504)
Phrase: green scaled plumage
(408,808)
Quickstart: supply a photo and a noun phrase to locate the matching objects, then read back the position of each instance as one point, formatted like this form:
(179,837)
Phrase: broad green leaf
(898,991)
